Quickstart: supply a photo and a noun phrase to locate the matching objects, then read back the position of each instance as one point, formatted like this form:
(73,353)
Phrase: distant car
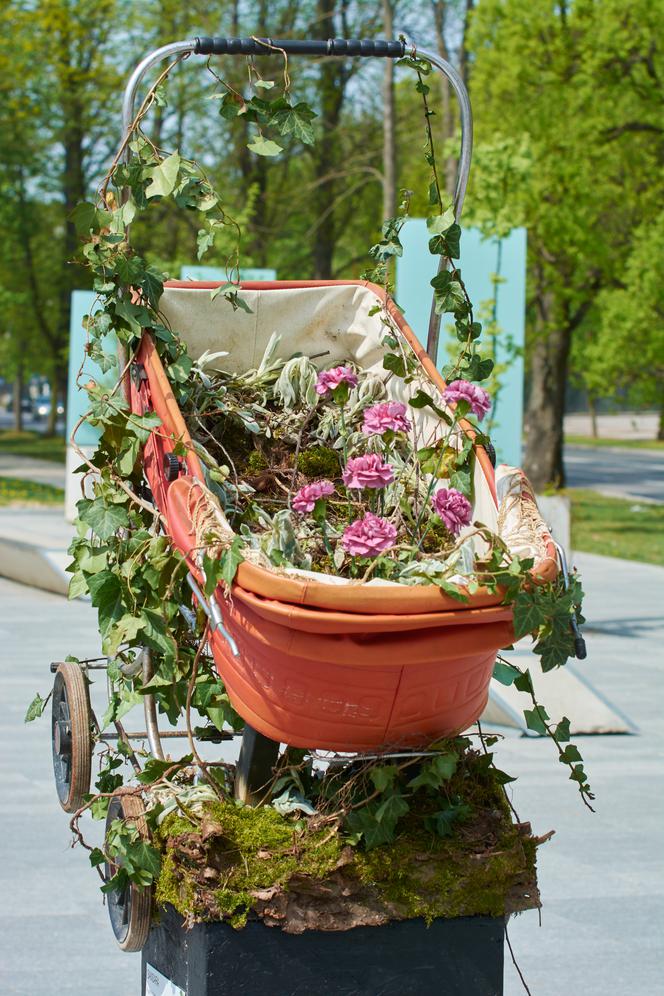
(26,406)
(41,408)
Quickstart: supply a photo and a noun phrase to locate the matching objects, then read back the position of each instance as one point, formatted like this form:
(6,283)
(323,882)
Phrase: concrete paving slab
(33,547)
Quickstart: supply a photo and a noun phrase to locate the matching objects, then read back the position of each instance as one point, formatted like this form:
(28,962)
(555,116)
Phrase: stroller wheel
(253,774)
(130,908)
(71,723)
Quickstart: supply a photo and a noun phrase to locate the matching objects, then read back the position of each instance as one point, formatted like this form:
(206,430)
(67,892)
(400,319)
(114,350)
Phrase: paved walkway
(30,469)
(602,875)
(619,473)
(621,425)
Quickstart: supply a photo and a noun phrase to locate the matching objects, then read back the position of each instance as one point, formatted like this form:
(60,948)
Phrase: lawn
(32,444)
(623,444)
(615,527)
(14,491)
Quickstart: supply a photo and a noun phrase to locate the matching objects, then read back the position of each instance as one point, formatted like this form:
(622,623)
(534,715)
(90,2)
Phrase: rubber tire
(70,676)
(135,933)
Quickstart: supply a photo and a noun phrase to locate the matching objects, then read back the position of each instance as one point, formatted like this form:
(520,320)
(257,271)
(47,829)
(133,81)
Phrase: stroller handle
(301,46)
(362,47)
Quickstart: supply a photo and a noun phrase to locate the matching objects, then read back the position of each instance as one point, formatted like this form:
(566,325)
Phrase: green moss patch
(242,862)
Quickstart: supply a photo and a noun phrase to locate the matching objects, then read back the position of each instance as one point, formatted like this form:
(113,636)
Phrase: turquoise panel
(480,259)
(218,273)
(83,303)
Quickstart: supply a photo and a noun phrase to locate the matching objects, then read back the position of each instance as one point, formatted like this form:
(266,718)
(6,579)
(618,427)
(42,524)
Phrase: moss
(319,461)
(256,462)
(217,871)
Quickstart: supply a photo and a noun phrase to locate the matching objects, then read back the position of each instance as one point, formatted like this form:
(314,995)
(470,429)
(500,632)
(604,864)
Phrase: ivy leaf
(394,807)
(440,224)
(434,772)
(562,731)
(204,241)
(442,822)
(450,589)
(570,754)
(106,594)
(264,146)
(153,769)
(505,673)
(383,776)
(557,647)
(36,708)
(394,363)
(536,720)
(528,614)
(156,634)
(88,217)
(164,177)
(363,825)
(294,120)
(103,518)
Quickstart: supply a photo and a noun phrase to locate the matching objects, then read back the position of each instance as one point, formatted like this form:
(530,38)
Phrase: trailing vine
(137,581)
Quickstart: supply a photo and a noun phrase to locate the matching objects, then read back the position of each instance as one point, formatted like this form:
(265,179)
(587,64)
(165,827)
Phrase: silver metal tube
(463,170)
(448,70)
(165,52)
(150,709)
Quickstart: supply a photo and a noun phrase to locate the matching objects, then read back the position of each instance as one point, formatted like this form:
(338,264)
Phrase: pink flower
(368,471)
(306,497)
(454,509)
(369,536)
(463,390)
(388,415)
(329,380)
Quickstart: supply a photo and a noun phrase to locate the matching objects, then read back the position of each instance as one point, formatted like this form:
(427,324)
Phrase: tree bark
(543,420)
(17,398)
(592,408)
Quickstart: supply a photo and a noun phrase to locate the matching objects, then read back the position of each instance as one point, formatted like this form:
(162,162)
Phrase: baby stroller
(308,660)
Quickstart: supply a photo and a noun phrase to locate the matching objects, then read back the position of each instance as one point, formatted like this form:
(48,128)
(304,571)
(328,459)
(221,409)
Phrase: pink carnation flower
(369,536)
(306,497)
(388,415)
(368,471)
(453,508)
(329,380)
(463,390)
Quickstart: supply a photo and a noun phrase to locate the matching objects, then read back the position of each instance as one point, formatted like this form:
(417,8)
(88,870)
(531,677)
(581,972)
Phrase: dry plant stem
(504,787)
(142,111)
(514,961)
(192,744)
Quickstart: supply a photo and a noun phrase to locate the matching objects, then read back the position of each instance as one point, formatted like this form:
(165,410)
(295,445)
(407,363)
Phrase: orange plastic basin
(342,667)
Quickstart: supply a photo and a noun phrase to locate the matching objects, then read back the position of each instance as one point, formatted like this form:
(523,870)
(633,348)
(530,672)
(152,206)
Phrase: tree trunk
(592,408)
(389,143)
(543,421)
(17,398)
(53,413)
(660,430)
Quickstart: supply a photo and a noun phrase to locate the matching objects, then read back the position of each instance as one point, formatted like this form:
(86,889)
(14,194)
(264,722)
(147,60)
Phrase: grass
(617,527)
(623,444)
(14,491)
(32,444)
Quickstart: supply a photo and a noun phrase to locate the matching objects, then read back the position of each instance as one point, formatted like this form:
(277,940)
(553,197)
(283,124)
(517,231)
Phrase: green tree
(575,90)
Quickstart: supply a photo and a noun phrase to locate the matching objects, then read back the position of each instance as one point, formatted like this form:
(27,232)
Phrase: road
(601,876)
(623,473)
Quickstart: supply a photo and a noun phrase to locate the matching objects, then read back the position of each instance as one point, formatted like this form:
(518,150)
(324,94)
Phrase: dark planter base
(461,957)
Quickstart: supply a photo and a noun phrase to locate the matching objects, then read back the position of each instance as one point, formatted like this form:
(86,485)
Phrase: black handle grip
(298,46)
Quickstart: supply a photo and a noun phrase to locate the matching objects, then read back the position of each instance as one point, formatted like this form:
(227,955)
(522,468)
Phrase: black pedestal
(461,957)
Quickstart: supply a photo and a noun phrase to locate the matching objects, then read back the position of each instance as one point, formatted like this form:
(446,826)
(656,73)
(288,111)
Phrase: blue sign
(494,272)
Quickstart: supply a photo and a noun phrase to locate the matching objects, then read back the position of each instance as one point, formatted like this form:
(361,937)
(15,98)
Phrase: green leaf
(204,241)
(383,777)
(36,708)
(536,720)
(562,731)
(435,772)
(164,177)
(103,518)
(394,363)
(394,807)
(442,822)
(570,754)
(294,120)
(154,768)
(264,146)
(505,673)
(106,594)
(88,217)
(528,614)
